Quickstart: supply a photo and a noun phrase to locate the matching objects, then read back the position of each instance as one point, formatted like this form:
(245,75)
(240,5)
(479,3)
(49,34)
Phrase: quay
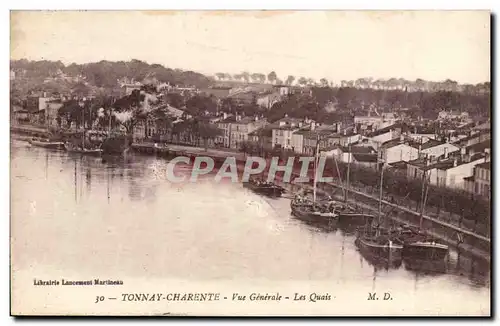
(30,130)
(471,243)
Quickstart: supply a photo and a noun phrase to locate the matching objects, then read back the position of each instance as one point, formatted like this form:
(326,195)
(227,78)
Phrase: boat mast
(338,174)
(348,174)
(422,195)
(380,195)
(109,127)
(423,199)
(83,124)
(315,168)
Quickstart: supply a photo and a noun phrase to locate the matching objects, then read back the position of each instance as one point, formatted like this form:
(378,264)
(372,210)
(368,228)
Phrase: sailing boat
(81,149)
(46,143)
(269,189)
(382,243)
(418,245)
(349,216)
(305,209)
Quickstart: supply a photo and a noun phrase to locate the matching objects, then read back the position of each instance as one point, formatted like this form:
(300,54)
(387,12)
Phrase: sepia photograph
(250,163)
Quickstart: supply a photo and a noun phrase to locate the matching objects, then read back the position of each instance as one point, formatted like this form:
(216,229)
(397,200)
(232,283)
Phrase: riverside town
(153,171)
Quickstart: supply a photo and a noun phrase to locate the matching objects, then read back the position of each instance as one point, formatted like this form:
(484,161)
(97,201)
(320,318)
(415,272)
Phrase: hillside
(106,74)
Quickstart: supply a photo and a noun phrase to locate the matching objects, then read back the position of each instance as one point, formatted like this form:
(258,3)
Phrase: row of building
(455,160)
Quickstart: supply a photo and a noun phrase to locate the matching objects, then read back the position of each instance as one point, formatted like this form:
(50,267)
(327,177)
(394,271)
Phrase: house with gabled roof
(447,172)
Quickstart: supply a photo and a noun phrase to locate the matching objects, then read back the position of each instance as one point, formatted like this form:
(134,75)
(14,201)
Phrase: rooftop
(415,144)
(289,120)
(444,164)
(358,149)
(484,126)
(479,147)
(399,165)
(484,165)
(266,131)
(364,157)
(384,130)
(476,135)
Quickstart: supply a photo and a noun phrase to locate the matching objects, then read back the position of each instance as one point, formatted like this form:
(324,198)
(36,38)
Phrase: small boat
(314,212)
(311,209)
(46,143)
(382,243)
(85,151)
(428,249)
(264,188)
(417,244)
(384,246)
(348,216)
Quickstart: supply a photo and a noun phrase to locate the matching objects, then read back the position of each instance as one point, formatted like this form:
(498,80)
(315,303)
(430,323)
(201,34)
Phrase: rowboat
(46,143)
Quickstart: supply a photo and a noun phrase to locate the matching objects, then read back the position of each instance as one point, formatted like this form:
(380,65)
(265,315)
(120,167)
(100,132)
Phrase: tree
(262,78)
(271,77)
(246,76)
(324,82)
(206,131)
(302,81)
(176,100)
(220,75)
(255,77)
(198,104)
(289,80)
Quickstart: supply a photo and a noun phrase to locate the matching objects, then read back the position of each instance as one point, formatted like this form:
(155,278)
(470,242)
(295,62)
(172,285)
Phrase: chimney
(256,118)
(224,115)
(445,152)
(463,151)
(455,162)
(401,138)
(313,125)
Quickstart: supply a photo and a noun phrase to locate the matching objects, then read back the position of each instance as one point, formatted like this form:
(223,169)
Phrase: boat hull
(354,219)
(90,152)
(306,213)
(425,250)
(51,145)
(269,191)
(387,251)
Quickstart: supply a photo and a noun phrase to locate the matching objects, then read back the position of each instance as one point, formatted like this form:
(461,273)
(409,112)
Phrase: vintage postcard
(250,163)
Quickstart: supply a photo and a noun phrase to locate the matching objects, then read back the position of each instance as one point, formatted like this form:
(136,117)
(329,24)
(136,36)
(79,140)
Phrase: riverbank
(473,243)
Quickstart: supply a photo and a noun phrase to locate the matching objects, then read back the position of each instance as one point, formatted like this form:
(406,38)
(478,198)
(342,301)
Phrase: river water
(79,216)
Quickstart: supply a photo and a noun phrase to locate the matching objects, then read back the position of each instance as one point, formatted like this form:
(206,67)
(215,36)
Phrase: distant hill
(106,74)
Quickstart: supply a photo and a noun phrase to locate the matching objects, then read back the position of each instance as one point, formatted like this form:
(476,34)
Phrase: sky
(337,45)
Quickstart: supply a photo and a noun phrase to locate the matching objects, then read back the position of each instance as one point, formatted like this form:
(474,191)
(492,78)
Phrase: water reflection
(426,267)
(194,231)
(380,262)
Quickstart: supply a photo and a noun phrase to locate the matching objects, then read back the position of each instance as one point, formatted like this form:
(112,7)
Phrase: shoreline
(474,244)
